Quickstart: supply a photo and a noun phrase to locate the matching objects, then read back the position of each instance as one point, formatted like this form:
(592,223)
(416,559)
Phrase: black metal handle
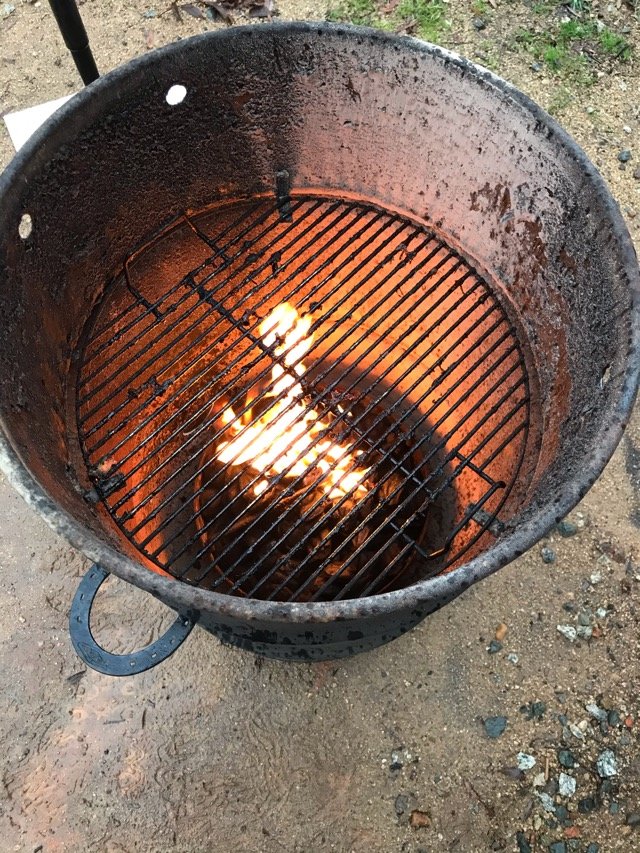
(75,37)
(106,662)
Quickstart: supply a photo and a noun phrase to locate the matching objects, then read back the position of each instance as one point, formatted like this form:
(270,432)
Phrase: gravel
(568,631)
(595,711)
(548,554)
(566,758)
(495,726)
(547,802)
(566,528)
(566,785)
(633,819)
(606,764)
(586,805)
(525,761)
(624,156)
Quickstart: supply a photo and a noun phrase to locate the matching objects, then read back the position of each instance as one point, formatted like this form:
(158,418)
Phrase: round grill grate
(410,364)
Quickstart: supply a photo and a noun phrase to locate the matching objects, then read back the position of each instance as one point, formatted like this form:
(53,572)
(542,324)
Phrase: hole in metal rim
(176,94)
(25,227)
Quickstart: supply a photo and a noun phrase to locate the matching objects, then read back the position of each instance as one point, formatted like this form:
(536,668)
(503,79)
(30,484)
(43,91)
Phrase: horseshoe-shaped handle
(106,662)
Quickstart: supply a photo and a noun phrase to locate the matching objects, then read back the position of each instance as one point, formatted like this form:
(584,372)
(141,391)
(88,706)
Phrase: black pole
(75,37)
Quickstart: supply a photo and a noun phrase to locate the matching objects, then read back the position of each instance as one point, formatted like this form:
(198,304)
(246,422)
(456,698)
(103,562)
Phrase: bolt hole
(176,95)
(26,226)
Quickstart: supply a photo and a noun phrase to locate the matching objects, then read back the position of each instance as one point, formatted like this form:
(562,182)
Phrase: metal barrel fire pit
(304,330)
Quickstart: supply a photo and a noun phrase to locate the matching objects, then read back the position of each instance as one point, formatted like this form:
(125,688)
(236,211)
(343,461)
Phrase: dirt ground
(219,751)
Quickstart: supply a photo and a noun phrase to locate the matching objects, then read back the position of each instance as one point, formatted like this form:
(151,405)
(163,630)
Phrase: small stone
(584,618)
(606,787)
(401,804)
(586,805)
(523,844)
(593,848)
(494,647)
(547,802)
(614,808)
(633,819)
(624,156)
(606,764)
(562,813)
(595,578)
(558,847)
(585,632)
(512,657)
(548,554)
(495,726)
(628,721)
(572,832)
(539,780)
(533,710)
(419,820)
(566,785)
(150,13)
(614,718)
(566,758)
(601,613)
(595,711)
(626,128)
(536,66)
(501,632)
(575,731)
(566,528)
(568,631)
(636,173)
(479,23)
(525,761)
(7,9)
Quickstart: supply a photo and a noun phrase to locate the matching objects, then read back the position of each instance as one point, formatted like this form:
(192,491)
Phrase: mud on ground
(219,751)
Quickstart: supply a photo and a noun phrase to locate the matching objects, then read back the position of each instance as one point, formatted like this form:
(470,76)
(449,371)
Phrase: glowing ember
(284,438)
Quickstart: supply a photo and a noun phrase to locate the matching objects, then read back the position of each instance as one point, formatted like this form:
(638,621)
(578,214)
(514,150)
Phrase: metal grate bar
(404,330)
(247,332)
(452,476)
(466,518)
(432,451)
(209,402)
(342,416)
(162,335)
(406,414)
(156,305)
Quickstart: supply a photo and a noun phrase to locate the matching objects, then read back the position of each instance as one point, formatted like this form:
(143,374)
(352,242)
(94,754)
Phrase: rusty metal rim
(81,110)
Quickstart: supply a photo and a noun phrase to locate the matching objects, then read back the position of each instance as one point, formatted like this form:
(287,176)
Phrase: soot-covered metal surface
(366,116)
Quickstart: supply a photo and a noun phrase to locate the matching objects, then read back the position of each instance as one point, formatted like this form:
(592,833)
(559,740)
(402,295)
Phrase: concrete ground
(219,751)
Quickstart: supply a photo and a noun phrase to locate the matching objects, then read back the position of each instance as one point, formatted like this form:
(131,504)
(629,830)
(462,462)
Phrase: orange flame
(285,435)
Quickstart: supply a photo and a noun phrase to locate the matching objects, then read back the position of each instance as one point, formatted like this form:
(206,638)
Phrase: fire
(285,436)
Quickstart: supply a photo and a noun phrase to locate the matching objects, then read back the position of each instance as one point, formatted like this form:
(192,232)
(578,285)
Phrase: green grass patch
(480,8)
(613,44)
(362,12)
(568,48)
(424,18)
(428,15)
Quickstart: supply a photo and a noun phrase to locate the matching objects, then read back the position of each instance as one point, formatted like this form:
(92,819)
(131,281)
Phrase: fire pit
(305,329)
